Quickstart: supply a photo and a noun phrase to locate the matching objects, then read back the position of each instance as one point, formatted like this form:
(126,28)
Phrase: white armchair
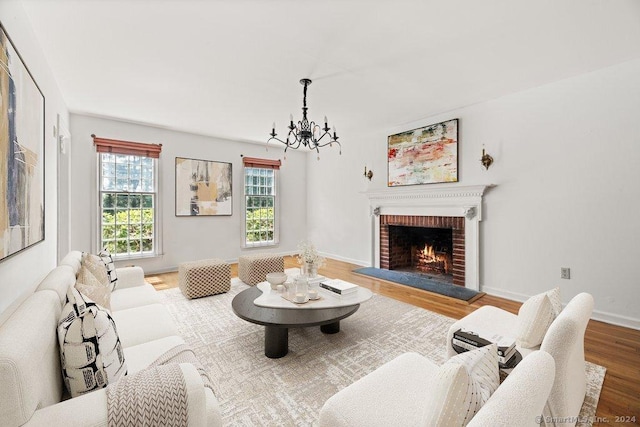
(564,341)
(399,391)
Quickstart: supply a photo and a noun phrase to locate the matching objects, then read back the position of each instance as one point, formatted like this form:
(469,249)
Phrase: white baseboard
(173,268)
(349,260)
(602,316)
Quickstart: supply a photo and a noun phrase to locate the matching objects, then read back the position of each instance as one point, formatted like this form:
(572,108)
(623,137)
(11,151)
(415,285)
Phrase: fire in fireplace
(430,260)
(431,245)
(422,250)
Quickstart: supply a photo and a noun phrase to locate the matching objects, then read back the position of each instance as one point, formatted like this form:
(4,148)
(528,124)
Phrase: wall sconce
(368,174)
(486,160)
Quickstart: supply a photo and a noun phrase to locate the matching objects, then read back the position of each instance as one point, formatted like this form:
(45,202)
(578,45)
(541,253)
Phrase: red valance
(253,162)
(104,145)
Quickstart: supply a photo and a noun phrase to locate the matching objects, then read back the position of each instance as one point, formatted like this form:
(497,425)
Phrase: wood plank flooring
(615,347)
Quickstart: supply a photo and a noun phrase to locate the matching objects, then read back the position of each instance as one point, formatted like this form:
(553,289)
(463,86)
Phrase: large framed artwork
(203,187)
(21,153)
(427,155)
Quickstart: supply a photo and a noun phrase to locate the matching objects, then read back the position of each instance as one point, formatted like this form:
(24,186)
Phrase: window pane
(108,184)
(108,200)
(147,230)
(122,246)
(108,169)
(122,184)
(122,200)
(108,232)
(147,245)
(108,216)
(134,200)
(110,246)
(147,201)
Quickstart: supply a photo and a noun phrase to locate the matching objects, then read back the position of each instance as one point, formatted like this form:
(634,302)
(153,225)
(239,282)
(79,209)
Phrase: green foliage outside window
(127,230)
(260,224)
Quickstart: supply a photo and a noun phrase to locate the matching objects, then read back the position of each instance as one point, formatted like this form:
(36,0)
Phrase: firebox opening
(423,250)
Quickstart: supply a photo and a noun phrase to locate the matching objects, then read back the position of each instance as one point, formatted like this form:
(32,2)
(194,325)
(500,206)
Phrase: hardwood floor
(615,347)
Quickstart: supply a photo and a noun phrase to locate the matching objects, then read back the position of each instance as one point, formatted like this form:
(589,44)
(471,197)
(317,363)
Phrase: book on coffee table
(339,287)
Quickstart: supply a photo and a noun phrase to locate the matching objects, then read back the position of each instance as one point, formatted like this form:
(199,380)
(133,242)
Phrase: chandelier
(305,133)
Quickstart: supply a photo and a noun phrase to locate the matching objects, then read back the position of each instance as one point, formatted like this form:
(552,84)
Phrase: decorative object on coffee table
(309,259)
(204,278)
(276,278)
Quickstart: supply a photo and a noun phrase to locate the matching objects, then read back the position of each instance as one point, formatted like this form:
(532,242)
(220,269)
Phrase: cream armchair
(564,341)
(399,392)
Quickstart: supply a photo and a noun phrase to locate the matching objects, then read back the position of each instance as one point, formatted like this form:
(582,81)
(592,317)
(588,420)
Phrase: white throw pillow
(556,300)
(535,317)
(90,350)
(462,385)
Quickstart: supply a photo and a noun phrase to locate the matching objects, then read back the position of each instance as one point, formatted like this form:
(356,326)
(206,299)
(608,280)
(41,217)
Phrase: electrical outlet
(565,273)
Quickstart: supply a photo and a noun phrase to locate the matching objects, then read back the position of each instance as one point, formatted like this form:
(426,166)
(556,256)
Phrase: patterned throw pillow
(95,290)
(535,317)
(462,385)
(107,259)
(90,350)
(92,265)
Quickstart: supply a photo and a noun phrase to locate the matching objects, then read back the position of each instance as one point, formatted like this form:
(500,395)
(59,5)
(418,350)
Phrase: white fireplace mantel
(453,201)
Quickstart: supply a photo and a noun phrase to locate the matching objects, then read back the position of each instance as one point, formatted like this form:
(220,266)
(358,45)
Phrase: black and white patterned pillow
(90,350)
(111,267)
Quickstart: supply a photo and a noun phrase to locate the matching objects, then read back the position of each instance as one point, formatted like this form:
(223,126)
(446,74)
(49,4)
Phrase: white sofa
(396,394)
(31,386)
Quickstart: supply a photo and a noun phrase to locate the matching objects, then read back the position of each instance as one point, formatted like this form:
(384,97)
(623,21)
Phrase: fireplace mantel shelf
(428,193)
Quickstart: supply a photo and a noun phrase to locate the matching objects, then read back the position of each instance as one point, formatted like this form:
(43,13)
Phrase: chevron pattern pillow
(90,350)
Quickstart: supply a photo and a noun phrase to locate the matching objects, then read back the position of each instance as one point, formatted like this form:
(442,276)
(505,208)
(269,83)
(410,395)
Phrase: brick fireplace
(455,208)
(404,239)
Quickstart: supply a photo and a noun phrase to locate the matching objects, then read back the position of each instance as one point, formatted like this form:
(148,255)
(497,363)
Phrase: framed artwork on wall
(203,187)
(21,153)
(427,155)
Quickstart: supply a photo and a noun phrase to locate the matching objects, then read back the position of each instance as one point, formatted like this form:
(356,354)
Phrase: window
(260,202)
(127,190)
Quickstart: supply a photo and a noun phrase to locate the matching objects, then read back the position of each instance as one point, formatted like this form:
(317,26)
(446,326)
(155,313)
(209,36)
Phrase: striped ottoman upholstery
(253,269)
(203,278)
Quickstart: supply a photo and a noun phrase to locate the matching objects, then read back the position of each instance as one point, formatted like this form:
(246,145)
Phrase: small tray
(285,296)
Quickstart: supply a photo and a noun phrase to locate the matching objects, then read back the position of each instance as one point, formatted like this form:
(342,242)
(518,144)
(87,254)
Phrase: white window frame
(157,216)
(276,210)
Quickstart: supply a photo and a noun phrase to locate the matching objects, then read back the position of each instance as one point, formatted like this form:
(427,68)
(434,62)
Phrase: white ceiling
(229,68)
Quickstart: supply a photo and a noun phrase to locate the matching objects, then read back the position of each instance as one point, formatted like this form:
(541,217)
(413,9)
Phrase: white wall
(567,175)
(184,238)
(23,271)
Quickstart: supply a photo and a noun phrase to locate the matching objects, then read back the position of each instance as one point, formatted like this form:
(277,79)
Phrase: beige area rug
(256,391)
